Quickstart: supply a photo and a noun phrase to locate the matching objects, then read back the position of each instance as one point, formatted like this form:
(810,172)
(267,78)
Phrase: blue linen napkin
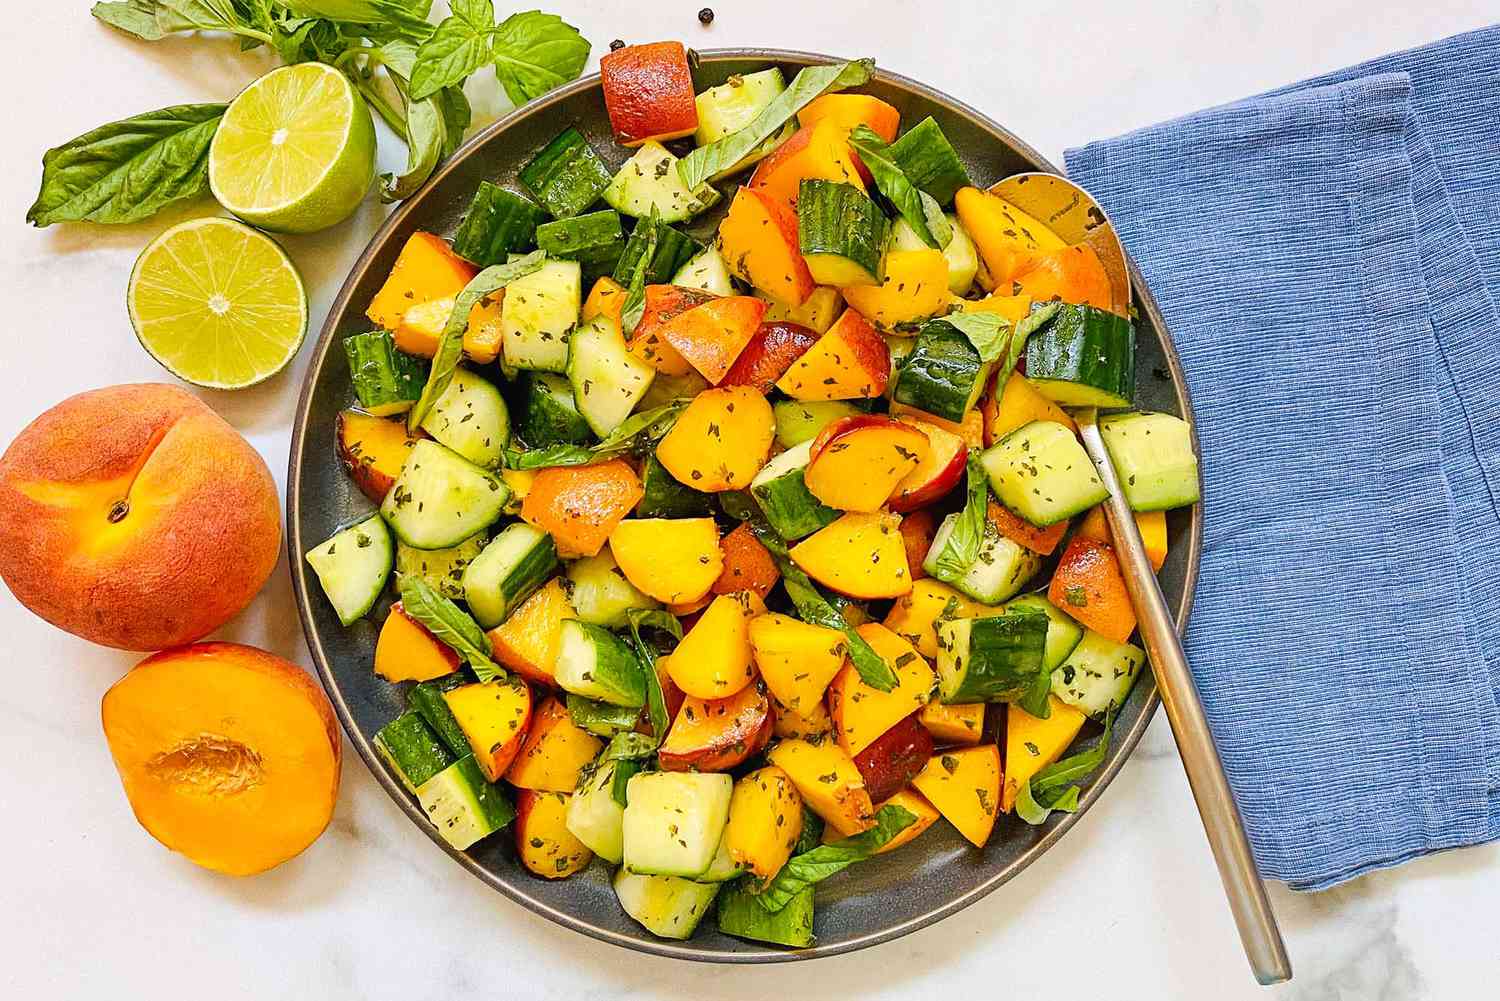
(1327,257)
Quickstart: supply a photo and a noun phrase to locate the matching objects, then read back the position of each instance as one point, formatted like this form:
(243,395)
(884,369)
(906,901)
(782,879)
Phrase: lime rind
(295,151)
(217,304)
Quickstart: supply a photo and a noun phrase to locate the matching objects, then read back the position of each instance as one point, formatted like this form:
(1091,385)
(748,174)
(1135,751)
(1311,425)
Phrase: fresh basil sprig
(989,333)
(450,624)
(819,611)
(1056,786)
(451,342)
(963,545)
(128,170)
(802,871)
(810,82)
(647,654)
(875,153)
(532,52)
(634,306)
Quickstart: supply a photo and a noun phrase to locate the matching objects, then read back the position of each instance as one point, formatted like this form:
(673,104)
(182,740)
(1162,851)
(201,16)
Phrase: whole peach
(136,517)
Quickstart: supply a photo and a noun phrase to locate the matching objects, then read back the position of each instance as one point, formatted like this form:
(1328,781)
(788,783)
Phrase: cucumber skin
(412,749)
(838,219)
(1063,633)
(566,176)
(545,419)
(943,375)
(616,671)
(494,809)
(1002,661)
(791,508)
(662,496)
(386,379)
(673,249)
(929,161)
(603,719)
(1087,346)
(518,581)
(595,240)
(498,223)
(427,699)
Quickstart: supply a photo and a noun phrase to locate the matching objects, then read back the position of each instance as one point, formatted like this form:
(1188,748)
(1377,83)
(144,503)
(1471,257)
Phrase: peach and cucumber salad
(733,562)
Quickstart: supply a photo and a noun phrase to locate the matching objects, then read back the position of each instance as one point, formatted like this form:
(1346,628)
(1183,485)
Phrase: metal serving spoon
(1075,216)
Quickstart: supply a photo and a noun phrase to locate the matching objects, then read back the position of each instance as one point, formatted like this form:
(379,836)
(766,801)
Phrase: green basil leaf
(629,746)
(426,138)
(152,20)
(128,170)
(650,425)
(1033,321)
(989,333)
(875,154)
(450,624)
(401,18)
(810,82)
(967,538)
(634,306)
(453,103)
(624,769)
(646,655)
(551,455)
(814,608)
(937,223)
(534,52)
(459,46)
(1037,700)
(1055,788)
(451,344)
(802,871)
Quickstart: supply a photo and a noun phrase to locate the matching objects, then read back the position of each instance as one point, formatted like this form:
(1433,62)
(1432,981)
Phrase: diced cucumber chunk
(1083,357)
(594,815)
(594,240)
(665,906)
(798,422)
(731,106)
(674,821)
(1040,472)
(386,380)
(427,699)
(471,418)
(440,499)
(1153,455)
(516,562)
(943,375)
(1098,674)
(1063,633)
(780,489)
(442,569)
(353,567)
(462,805)
(596,664)
(742,916)
(707,271)
(599,592)
(498,223)
(841,233)
(538,314)
(993,659)
(649,182)
(1002,569)
(412,750)
(722,868)
(549,415)
(567,176)
(608,380)
(674,248)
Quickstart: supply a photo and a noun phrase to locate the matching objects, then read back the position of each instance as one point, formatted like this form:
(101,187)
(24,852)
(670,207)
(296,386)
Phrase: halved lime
(296,150)
(217,303)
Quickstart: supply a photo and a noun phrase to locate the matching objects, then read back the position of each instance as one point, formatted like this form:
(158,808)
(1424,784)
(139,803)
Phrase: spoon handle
(1200,758)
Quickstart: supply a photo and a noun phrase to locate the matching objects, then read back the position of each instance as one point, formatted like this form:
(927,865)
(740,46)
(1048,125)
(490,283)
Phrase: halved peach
(712,336)
(858,461)
(940,470)
(758,240)
(769,354)
(851,361)
(663,304)
(648,92)
(715,735)
(895,758)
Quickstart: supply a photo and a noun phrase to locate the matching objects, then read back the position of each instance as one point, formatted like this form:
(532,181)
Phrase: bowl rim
(515,890)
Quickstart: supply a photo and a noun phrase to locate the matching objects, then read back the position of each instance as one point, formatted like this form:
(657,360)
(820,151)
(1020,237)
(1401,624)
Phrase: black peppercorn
(706,15)
(616,45)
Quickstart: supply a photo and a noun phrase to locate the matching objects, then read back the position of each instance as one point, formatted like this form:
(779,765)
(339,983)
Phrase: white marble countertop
(1127,906)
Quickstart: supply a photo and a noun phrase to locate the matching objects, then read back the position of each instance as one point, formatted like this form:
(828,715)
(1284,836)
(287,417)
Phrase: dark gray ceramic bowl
(935,876)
